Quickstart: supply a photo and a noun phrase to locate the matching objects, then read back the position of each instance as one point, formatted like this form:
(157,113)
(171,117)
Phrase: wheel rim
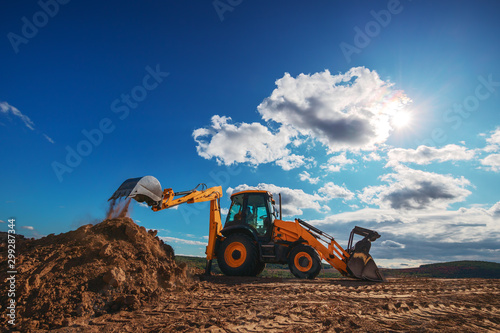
(235,254)
(303,261)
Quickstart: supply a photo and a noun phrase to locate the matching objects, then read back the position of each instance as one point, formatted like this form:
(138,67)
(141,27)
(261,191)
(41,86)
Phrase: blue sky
(380,114)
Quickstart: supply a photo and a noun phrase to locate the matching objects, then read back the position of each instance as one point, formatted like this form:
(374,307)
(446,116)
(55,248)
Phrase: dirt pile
(94,270)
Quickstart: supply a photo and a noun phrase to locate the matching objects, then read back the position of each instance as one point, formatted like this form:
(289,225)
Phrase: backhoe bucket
(143,189)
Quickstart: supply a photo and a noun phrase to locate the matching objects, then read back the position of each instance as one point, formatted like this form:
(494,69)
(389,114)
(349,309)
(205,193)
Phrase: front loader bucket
(360,263)
(362,266)
(143,189)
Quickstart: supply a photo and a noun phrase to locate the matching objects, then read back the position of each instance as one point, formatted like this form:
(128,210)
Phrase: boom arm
(148,189)
(192,196)
(212,194)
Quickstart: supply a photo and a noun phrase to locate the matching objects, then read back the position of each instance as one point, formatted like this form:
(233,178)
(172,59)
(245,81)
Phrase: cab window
(235,214)
(257,214)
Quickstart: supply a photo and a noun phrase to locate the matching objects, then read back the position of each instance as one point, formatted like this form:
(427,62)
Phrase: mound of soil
(97,269)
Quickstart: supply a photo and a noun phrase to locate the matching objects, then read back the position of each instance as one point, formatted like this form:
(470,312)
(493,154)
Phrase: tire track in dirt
(223,304)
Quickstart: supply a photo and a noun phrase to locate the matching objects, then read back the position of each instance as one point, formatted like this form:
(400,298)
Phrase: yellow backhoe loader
(254,234)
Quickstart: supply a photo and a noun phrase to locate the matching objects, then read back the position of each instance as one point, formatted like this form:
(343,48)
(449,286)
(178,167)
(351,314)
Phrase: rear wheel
(238,256)
(304,262)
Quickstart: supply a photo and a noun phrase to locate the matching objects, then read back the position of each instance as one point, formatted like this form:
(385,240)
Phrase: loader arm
(324,244)
(354,262)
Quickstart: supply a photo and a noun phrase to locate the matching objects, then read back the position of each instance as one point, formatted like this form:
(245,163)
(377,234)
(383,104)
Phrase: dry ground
(230,304)
(116,276)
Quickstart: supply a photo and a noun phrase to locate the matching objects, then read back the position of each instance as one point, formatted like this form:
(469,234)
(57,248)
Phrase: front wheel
(238,256)
(304,262)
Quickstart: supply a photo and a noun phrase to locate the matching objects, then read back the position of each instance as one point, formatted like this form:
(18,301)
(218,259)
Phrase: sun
(401,119)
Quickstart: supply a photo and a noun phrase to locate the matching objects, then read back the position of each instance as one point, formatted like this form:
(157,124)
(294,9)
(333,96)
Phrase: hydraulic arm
(353,262)
(148,189)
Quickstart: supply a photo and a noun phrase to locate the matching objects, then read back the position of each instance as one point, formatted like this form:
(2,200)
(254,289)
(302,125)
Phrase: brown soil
(95,270)
(231,304)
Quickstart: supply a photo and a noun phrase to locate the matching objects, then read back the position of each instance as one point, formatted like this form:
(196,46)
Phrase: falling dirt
(118,208)
(95,270)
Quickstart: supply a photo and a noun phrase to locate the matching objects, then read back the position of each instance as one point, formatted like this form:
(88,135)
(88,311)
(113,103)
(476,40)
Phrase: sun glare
(401,119)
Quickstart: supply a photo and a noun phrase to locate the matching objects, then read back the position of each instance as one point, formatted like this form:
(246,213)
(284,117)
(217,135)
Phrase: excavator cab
(251,211)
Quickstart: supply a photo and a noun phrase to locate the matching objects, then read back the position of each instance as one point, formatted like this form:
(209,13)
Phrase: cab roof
(253,191)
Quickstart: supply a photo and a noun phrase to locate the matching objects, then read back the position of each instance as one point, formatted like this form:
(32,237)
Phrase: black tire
(260,268)
(238,256)
(304,262)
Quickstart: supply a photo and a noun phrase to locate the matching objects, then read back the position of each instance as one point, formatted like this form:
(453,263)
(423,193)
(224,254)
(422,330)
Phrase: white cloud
(494,211)
(295,200)
(493,141)
(414,189)
(398,262)
(181,241)
(332,191)
(425,155)
(337,163)
(7,109)
(393,244)
(372,157)
(49,139)
(492,162)
(28,227)
(306,176)
(291,162)
(350,111)
(224,211)
(243,143)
